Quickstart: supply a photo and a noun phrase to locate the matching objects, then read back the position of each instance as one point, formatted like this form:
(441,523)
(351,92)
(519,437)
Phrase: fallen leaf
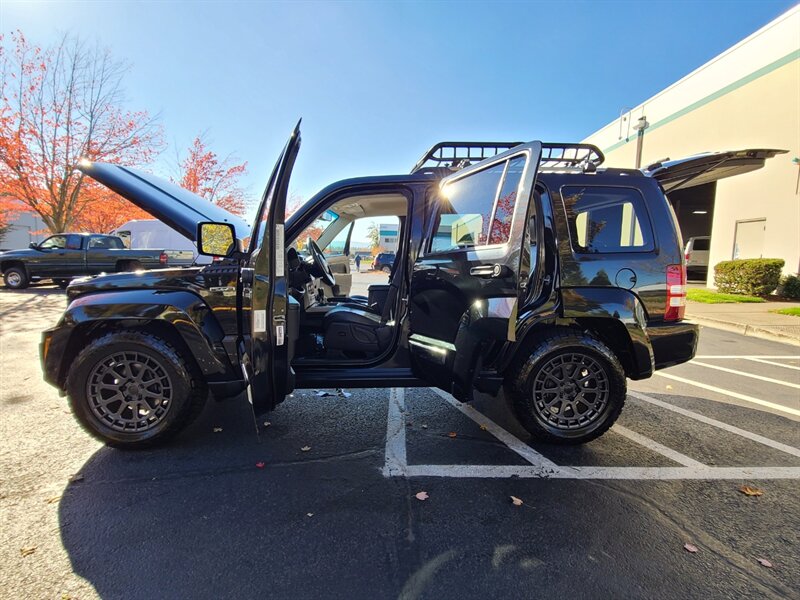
(669,387)
(53,500)
(305,448)
(424,426)
(217,429)
(452,434)
(267,423)
(751,491)
(309,514)
(27,551)
(322,393)
(77,477)
(765,563)
(483,427)
(516,501)
(690,548)
(261,465)
(343,394)
(421,495)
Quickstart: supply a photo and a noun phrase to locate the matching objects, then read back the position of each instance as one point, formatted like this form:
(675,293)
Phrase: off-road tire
(16,278)
(188,390)
(561,344)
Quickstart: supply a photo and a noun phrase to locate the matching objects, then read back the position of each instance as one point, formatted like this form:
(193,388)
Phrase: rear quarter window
(607,219)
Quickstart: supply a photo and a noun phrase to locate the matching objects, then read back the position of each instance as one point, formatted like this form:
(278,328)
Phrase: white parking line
(719,424)
(732,394)
(396,460)
(513,442)
(745,374)
(653,445)
(629,473)
(773,363)
(775,356)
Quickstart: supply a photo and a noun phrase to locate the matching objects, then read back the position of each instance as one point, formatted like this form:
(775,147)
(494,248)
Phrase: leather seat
(348,327)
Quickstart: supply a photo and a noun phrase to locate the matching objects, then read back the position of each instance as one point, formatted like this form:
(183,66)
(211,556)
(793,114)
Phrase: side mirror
(33,245)
(216,239)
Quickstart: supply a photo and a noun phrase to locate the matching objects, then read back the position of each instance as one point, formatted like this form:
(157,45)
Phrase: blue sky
(378,83)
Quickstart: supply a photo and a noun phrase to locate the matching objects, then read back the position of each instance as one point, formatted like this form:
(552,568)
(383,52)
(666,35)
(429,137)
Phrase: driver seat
(353,329)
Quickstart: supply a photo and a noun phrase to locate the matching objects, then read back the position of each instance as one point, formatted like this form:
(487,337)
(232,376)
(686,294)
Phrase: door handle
(489,271)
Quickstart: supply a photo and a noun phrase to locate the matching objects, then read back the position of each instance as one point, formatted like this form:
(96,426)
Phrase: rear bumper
(673,343)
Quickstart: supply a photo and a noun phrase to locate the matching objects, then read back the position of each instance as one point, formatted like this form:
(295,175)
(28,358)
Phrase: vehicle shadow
(199,518)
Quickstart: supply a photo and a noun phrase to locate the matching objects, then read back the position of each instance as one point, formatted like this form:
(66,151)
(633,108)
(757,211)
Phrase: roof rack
(457,155)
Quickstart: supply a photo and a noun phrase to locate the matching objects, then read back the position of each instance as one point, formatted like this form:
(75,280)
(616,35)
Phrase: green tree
(373,235)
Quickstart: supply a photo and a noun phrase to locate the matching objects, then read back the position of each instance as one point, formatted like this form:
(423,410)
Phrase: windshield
(314,230)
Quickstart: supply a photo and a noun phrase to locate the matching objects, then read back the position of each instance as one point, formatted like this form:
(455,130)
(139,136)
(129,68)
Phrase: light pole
(640,126)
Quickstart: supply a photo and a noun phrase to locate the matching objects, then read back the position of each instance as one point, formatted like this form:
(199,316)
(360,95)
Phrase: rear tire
(62,283)
(128,266)
(386,269)
(16,278)
(133,390)
(569,389)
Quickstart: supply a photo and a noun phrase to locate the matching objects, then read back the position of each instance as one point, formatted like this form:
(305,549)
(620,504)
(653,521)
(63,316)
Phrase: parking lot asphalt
(610,519)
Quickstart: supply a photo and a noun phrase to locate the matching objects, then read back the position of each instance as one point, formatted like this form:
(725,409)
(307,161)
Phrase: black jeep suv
(520,266)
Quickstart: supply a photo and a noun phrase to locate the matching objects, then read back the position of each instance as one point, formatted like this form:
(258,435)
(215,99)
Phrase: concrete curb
(748,330)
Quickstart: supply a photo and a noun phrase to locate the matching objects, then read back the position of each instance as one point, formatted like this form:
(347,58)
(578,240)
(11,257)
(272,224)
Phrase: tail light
(688,256)
(676,293)
(163,258)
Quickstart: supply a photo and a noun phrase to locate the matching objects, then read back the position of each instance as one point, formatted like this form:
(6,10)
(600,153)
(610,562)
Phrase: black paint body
(201,309)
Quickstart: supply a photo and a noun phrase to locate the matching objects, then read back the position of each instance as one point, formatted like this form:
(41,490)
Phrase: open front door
(265,346)
(472,271)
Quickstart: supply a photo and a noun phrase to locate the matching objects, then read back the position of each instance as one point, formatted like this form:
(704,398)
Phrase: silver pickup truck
(66,255)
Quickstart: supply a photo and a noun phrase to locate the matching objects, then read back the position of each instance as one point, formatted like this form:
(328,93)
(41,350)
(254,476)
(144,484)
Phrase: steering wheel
(321,266)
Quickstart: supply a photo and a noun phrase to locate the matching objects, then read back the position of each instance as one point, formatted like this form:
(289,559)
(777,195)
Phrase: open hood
(705,168)
(179,208)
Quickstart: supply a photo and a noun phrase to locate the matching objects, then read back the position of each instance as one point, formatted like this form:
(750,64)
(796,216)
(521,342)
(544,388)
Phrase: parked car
(534,270)
(63,256)
(696,255)
(383,262)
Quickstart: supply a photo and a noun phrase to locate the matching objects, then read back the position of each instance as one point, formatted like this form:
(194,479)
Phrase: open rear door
(265,347)
(687,172)
(468,279)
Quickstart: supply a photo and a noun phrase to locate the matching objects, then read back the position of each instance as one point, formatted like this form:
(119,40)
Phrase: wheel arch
(614,316)
(180,318)
(10,263)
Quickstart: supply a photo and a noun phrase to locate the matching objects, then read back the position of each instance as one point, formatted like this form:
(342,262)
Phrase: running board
(356,378)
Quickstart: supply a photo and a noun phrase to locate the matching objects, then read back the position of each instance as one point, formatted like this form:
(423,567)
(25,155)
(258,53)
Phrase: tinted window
(73,242)
(106,242)
(607,219)
(468,214)
(700,244)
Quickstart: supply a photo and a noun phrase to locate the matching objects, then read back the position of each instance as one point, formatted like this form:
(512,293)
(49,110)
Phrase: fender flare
(609,309)
(185,313)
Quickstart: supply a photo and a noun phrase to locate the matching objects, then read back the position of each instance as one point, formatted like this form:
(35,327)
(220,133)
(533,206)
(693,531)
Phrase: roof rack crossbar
(457,155)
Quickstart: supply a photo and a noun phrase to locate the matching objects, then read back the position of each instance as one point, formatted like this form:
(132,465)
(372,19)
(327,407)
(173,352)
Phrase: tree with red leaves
(203,173)
(59,105)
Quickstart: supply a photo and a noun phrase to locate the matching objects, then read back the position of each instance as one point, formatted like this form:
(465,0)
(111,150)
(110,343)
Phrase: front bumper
(673,343)
(51,352)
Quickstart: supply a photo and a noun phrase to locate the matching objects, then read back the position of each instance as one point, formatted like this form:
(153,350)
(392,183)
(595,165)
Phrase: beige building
(747,97)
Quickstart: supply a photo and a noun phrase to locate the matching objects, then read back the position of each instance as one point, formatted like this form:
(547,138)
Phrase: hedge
(790,287)
(755,276)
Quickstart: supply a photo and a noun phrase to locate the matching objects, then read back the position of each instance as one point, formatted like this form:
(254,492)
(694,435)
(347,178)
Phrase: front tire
(134,390)
(16,278)
(386,269)
(569,390)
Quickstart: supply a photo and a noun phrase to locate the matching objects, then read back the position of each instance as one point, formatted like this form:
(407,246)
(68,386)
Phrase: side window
(478,209)
(55,242)
(607,219)
(701,244)
(73,242)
